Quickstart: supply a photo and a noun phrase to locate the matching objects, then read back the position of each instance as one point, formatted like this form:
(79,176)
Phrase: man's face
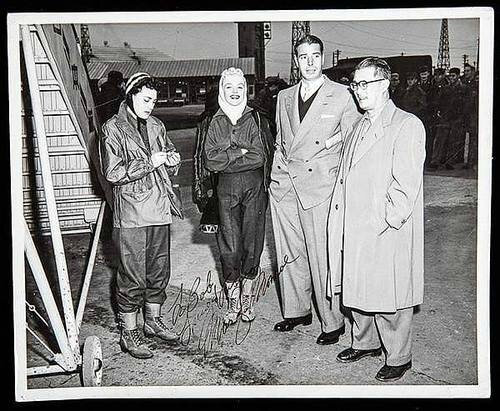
(453,78)
(424,76)
(395,79)
(233,89)
(310,61)
(468,73)
(144,102)
(412,82)
(373,97)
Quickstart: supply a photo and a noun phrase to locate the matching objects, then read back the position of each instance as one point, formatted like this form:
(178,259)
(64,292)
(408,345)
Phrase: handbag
(209,222)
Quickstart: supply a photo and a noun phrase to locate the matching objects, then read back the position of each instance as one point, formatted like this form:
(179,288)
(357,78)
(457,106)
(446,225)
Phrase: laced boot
(154,325)
(247,301)
(234,304)
(131,339)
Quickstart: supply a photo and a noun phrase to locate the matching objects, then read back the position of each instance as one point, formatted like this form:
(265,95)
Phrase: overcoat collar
(129,130)
(375,132)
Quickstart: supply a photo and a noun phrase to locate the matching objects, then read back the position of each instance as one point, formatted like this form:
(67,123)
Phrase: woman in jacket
(238,147)
(137,157)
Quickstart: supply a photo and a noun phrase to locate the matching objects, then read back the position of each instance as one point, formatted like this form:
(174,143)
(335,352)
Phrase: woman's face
(144,102)
(234,89)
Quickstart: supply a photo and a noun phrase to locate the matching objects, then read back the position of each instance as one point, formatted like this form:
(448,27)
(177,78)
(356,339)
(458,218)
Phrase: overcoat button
(341,181)
(317,142)
(279,167)
(336,206)
(310,169)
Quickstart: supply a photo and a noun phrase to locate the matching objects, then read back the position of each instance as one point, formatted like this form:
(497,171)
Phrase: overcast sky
(353,39)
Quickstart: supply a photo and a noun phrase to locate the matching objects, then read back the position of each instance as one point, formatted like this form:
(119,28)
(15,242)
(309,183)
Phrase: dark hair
(423,68)
(115,77)
(439,71)
(148,82)
(380,65)
(308,39)
(455,70)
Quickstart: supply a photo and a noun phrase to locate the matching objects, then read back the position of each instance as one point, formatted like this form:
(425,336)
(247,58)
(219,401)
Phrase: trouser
(300,237)
(429,138)
(242,216)
(394,331)
(144,268)
(472,128)
(445,151)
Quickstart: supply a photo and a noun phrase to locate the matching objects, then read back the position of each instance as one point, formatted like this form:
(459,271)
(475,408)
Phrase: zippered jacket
(142,195)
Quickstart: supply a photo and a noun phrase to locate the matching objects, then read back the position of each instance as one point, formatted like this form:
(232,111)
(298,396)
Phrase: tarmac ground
(444,334)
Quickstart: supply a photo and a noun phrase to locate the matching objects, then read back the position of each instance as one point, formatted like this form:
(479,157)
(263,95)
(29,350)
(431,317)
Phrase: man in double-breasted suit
(375,224)
(312,118)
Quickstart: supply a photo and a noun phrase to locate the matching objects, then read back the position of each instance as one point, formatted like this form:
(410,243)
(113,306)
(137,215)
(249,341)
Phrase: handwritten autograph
(213,329)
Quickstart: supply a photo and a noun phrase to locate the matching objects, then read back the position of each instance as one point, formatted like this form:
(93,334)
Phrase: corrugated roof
(107,54)
(174,68)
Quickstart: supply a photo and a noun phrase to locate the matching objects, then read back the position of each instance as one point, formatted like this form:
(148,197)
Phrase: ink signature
(213,329)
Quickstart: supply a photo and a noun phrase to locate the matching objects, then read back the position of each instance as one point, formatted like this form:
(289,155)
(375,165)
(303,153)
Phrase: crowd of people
(448,107)
(341,167)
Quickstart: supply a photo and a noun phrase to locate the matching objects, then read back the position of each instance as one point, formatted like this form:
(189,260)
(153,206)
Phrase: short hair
(308,39)
(439,71)
(411,75)
(115,77)
(455,70)
(470,66)
(380,65)
(423,68)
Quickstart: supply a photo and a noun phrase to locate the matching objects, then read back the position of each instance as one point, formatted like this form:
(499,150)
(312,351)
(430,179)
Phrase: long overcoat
(375,223)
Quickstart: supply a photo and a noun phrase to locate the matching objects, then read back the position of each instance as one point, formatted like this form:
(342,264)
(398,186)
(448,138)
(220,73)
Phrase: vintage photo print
(251,203)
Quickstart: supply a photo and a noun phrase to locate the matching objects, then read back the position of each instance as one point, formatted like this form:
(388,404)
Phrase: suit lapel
(292,110)
(313,114)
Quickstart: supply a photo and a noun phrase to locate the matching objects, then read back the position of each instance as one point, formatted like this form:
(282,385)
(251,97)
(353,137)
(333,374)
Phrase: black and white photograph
(249,204)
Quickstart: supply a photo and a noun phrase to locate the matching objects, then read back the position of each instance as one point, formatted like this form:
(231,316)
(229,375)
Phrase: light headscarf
(233,112)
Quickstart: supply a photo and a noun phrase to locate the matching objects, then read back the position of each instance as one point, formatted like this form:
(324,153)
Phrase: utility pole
(444,47)
(299,29)
(336,55)
(85,43)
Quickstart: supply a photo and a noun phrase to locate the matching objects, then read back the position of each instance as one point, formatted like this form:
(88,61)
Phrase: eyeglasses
(363,85)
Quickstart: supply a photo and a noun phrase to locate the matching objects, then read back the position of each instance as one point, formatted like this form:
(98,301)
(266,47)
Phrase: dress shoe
(352,355)
(391,373)
(330,338)
(288,324)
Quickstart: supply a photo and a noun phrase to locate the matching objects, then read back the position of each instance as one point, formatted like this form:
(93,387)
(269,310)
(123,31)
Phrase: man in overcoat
(375,224)
(312,119)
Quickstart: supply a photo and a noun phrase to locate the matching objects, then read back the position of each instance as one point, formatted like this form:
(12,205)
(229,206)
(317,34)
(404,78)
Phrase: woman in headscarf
(137,158)
(239,148)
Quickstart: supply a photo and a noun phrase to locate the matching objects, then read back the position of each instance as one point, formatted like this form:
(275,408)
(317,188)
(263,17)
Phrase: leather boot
(131,338)
(247,301)
(234,304)
(154,325)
